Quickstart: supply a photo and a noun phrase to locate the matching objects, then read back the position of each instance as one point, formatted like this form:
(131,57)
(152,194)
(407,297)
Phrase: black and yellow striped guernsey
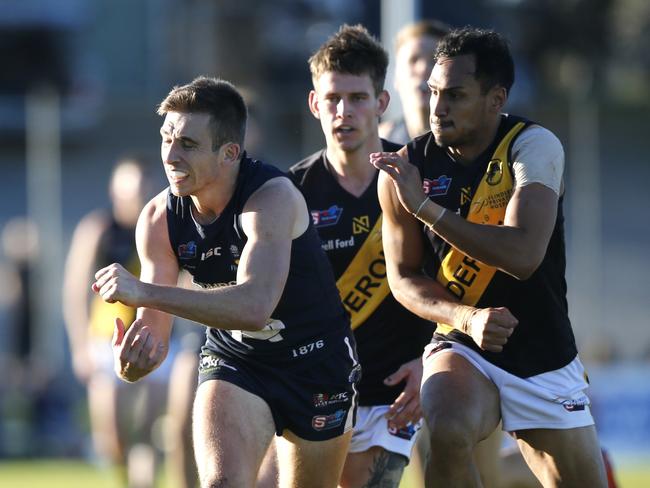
(387,335)
(543,341)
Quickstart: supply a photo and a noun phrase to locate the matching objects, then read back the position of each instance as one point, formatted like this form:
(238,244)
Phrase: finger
(405,416)
(148,346)
(118,332)
(158,353)
(397,377)
(503,317)
(397,405)
(138,346)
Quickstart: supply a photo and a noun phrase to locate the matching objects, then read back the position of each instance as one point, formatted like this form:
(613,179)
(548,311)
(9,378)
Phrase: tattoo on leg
(386,471)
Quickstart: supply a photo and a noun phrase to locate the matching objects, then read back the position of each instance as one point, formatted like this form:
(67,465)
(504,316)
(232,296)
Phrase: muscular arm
(273,216)
(403,248)
(404,252)
(517,247)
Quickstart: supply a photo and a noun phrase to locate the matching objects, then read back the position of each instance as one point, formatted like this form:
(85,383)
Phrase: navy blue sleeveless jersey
(309,311)
(387,335)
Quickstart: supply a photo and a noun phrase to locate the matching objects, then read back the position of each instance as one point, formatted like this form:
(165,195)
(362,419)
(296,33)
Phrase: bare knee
(450,439)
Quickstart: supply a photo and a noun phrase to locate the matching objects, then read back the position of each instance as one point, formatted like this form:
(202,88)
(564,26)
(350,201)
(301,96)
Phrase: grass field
(76,474)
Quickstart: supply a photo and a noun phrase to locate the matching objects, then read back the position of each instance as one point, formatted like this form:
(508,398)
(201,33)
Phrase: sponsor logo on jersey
(465,195)
(326,399)
(187,251)
(332,244)
(361,225)
(327,217)
(215,251)
(577,405)
(326,422)
(404,433)
(438,187)
(209,364)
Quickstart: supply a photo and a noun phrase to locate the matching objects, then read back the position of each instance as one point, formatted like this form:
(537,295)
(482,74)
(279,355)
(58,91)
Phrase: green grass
(77,474)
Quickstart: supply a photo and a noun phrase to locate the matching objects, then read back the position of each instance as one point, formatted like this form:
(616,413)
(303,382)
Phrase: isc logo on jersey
(325,422)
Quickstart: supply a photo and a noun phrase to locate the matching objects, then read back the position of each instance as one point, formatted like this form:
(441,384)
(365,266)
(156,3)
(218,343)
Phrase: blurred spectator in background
(23,390)
(415,45)
(122,415)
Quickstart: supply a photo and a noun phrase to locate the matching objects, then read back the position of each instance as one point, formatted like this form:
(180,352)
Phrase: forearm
(231,307)
(428,299)
(500,246)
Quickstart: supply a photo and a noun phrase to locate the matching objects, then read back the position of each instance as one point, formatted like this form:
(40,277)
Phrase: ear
(230,152)
(313,104)
(383,99)
(498,98)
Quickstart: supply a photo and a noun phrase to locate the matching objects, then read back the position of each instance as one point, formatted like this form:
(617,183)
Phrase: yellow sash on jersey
(363,285)
(463,276)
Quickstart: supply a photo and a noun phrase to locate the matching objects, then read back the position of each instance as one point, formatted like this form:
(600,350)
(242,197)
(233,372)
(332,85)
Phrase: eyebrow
(166,131)
(449,88)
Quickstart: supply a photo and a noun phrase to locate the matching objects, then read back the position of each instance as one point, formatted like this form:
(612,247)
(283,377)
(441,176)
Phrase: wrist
(462,319)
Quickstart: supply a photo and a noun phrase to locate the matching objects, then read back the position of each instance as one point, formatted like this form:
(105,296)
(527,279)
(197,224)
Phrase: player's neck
(209,202)
(351,169)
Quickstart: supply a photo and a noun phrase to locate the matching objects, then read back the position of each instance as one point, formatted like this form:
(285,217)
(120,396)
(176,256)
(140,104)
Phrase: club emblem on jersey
(438,187)
(234,250)
(494,172)
(187,251)
(361,224)
(324,218)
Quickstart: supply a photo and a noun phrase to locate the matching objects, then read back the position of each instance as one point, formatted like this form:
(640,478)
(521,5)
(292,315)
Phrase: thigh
(375,467)
(317,464)
(232,429)
(457,398)
(567,457)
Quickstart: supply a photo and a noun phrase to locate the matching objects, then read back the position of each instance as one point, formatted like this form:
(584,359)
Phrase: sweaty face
(413,64)
(458,110)
(348,109)
(186,151)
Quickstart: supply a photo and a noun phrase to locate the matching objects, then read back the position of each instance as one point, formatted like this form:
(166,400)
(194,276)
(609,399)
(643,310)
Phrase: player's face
(459,111)
(348,109)
(413,65)
(186,149)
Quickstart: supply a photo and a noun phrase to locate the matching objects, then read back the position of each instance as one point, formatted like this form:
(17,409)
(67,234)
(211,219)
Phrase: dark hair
(423,28)
(215,97)
(352,50)
(494,65)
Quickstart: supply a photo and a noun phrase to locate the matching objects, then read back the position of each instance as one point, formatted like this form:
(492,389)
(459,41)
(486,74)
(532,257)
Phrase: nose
(437,105)
(169,153)
(342,108)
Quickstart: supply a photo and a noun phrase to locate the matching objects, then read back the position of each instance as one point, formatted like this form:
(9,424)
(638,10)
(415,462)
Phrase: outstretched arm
(273,216)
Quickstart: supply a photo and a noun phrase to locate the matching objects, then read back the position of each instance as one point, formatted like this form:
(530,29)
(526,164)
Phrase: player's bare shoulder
(151,231)
(280,200)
